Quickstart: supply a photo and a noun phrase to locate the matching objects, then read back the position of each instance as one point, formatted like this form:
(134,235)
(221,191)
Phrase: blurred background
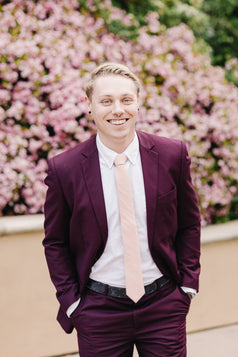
(186,56)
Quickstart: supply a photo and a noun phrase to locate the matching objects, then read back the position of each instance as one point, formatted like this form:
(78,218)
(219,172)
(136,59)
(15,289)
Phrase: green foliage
(172,13)
(116,26)
(127,32)
(135,7)
(224,20)
(214,23)
(233,213)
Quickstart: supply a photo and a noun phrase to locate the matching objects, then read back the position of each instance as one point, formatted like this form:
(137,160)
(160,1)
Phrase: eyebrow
(110,96)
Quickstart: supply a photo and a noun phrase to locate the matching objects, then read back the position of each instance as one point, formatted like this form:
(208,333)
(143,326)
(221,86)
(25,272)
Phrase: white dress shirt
(109,268)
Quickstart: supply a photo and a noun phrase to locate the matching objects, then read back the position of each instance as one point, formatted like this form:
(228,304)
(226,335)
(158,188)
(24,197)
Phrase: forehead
(113,85)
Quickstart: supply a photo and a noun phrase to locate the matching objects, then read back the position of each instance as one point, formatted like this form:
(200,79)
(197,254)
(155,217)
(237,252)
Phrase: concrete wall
(27,298)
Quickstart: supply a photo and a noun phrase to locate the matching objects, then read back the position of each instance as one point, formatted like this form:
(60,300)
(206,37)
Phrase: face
(114,107)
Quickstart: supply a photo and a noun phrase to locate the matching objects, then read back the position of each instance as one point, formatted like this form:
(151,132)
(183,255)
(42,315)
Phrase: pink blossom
(44,70)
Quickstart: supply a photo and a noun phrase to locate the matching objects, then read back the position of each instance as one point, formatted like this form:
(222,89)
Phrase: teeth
(117,121)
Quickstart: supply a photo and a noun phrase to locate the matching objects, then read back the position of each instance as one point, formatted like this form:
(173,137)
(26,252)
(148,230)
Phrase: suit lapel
(92,175)
(150,167)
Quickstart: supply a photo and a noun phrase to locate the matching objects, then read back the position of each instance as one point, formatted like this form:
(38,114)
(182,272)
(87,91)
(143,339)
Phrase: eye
(106,101)
(127,100)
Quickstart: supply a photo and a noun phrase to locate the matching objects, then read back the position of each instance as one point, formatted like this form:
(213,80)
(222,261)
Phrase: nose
(117,108)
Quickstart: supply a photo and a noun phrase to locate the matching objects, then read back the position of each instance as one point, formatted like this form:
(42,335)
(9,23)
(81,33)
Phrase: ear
(138,101)
(88,102)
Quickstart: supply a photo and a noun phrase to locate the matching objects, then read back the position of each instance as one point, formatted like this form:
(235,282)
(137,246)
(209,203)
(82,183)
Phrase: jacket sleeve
(188,234)
(56,242)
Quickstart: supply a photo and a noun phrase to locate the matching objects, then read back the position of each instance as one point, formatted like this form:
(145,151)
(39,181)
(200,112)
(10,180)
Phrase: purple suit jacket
(76,223)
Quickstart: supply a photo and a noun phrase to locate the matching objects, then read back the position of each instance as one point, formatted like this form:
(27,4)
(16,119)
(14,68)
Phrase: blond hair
(111,69)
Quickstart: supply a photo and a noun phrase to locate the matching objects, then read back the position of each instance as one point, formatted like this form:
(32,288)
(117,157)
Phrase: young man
(115,295)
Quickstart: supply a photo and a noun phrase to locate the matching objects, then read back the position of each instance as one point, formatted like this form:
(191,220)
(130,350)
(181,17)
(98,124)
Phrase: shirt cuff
(72,307)
(189,290)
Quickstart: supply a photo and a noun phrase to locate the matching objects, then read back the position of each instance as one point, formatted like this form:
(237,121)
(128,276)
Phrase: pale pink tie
(134,282)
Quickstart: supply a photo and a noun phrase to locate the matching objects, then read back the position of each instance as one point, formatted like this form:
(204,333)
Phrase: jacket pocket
(168,196)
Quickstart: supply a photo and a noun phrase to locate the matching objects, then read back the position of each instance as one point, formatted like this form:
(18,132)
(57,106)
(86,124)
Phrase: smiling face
(114,107)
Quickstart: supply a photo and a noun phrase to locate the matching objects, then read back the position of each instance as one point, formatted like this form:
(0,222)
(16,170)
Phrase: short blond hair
(110,68)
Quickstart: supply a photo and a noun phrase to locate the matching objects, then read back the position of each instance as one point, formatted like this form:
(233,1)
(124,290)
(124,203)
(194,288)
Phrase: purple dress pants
(111,327)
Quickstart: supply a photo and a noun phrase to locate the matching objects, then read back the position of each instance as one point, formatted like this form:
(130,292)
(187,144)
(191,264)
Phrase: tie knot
(120,159)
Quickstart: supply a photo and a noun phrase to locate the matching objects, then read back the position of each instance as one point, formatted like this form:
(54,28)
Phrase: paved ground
(218,342)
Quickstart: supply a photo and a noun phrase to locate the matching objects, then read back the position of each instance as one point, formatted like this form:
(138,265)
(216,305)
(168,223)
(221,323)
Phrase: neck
(117,145)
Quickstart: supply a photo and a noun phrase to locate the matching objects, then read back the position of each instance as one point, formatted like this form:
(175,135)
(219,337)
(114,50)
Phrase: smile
(117,121)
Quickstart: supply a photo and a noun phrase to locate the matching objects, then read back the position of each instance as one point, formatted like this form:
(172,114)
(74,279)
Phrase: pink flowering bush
(47,51)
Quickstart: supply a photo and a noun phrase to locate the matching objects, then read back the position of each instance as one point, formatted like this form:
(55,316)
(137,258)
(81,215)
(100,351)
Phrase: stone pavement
(217,342)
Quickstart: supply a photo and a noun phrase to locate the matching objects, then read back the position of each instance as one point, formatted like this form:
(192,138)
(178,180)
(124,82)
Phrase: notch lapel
(93,181)
(150,167)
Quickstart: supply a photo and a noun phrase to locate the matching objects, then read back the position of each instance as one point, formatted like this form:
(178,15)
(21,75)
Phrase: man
(87,231)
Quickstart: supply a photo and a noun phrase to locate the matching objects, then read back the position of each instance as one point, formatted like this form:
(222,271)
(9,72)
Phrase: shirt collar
(108,156)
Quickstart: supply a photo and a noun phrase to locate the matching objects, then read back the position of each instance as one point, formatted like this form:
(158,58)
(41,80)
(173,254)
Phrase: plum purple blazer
(76,223)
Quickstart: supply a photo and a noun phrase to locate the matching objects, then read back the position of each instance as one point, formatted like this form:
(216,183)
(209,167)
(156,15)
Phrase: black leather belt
(121,292)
